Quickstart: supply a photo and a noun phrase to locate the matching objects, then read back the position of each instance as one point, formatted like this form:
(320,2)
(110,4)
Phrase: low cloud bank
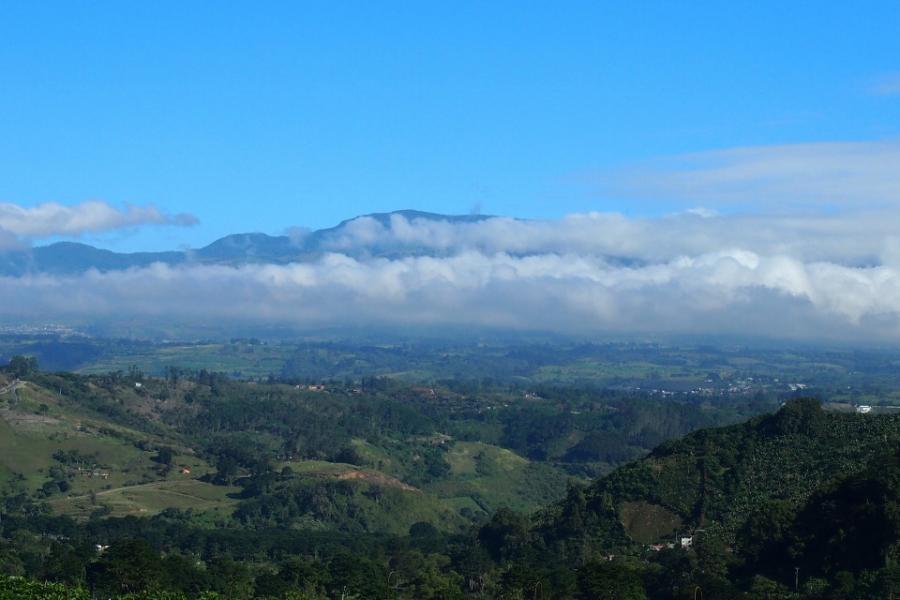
(850,239)
(53,219)
(805,277)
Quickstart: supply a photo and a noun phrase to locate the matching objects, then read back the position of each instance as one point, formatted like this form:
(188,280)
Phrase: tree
(798,416)
(65,564)
(505,534)
(355,574)
(164,456)
(128,566)
(226,470)
(349,455)
(22,366)
(610,580)
(231,578)
(423,530)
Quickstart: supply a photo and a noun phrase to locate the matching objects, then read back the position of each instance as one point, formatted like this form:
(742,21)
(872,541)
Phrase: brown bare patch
(376,478)
(647,523)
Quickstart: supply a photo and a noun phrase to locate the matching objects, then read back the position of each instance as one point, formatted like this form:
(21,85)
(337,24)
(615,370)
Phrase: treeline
(168,553)
(562,425)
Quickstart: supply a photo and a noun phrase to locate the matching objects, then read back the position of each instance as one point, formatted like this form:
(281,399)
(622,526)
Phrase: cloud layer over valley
(814,276)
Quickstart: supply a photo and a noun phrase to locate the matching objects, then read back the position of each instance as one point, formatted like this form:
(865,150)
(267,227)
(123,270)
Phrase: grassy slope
(42,421)
(489,477)
(29,436)
(150,498)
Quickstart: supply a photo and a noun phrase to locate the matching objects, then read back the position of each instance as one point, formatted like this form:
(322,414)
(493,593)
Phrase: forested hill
(799,491)
(715,480)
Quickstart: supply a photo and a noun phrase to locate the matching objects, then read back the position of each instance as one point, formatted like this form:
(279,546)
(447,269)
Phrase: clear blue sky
(259,116)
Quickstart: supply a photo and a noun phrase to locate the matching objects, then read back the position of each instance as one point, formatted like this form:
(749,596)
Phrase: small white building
(863,409)
(687,541)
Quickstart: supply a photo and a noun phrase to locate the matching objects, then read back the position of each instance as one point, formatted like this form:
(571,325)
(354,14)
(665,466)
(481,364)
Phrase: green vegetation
(799,497)
(196,483)
(834,374)
(343,455)
(150,498)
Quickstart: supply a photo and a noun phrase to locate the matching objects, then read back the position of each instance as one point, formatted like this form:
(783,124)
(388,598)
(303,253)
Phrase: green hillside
(799,504)
(124,444)
(714,480)
(199,482)
(803,496)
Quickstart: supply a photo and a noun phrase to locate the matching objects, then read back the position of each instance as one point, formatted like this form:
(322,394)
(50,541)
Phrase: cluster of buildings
(683,541)
(93,473)
(312,387)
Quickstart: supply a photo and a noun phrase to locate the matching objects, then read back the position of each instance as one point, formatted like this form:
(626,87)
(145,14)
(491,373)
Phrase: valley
(524,477)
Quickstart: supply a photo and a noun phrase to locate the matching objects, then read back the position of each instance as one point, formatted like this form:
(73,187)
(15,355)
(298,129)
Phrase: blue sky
(259,117)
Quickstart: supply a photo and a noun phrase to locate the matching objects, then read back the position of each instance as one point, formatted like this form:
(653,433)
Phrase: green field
(243,360)
(492,477)
(151,498)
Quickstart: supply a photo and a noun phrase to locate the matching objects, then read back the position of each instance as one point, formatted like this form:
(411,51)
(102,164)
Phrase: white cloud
(846,238)
(844,174)
(53,219)
(8,241)
(733,291)
(835,276)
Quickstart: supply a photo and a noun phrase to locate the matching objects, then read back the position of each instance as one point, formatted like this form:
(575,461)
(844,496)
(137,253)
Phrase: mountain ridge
(68,257)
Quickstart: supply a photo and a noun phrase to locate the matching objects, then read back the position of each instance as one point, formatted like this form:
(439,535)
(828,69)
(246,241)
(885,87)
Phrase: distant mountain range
(71,257)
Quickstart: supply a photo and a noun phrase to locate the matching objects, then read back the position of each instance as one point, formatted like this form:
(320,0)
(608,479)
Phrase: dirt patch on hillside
(376,478)
(647,523)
